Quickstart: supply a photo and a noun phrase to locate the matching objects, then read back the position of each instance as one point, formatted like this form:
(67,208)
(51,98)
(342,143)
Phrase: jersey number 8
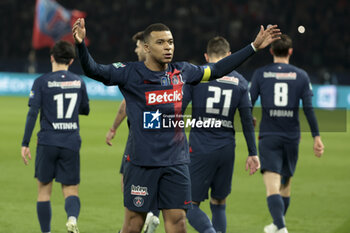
(281,94)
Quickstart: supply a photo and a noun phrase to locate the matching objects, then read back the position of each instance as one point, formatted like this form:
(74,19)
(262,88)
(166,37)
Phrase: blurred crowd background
(323,50)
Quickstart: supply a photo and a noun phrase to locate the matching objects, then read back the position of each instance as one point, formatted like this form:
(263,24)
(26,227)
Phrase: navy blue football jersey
(151,95)
(281,87)
(217,100)
(61,96)
(158,93)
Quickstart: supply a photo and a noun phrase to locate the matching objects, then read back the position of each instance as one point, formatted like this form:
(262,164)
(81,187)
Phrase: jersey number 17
(59,103)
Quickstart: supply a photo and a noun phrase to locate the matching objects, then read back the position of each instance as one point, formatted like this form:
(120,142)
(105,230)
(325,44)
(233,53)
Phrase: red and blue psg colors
(281,87)
(61,96)
(152,91)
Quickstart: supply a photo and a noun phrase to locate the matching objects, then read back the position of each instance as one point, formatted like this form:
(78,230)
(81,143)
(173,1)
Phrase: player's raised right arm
(98,72)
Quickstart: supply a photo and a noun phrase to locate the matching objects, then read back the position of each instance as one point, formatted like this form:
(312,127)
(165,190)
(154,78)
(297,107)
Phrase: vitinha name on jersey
(64,125)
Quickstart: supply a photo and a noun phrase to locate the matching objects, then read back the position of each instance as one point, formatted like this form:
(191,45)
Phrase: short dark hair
(156,27)
(138,36)
(280,47)
(63,52)
(218,46)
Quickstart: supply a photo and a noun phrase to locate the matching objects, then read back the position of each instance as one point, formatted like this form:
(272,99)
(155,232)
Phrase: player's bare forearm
(121,115)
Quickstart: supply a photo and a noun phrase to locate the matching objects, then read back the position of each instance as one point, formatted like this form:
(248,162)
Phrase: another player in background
(212,162)
(156,174)
(152,219)
(60,96)
(281,86)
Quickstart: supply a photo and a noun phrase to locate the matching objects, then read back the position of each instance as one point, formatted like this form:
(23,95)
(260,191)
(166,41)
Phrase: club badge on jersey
(164,81)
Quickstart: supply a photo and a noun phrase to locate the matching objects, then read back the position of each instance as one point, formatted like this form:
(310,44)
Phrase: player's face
(160,46)
(139,50)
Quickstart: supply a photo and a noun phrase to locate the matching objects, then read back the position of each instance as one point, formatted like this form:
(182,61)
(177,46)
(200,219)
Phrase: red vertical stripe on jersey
(177,84)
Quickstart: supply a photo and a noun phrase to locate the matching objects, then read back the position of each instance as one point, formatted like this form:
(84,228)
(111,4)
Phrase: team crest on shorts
(138,201)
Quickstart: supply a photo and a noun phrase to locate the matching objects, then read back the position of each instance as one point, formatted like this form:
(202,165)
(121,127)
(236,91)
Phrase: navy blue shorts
(278,155)
(151,188)
(121,170)
(213,170)
(126,153)
(57,162)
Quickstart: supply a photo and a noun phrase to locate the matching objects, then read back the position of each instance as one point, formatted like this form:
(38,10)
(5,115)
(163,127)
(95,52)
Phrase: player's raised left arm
(266,37)
(229,63)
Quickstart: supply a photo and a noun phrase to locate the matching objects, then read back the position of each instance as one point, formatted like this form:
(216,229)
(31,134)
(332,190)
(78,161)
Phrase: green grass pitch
(320,196)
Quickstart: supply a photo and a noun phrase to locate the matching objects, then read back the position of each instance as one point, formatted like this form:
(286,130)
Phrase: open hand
(266,37)
(79,31)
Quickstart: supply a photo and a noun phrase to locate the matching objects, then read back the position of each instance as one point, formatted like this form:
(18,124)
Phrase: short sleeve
(35,94)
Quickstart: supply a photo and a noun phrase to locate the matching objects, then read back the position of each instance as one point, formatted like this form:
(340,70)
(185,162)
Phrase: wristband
(255,49)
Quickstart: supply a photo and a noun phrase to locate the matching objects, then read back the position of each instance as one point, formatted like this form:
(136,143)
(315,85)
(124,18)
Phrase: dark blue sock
(286,201)
(219,217)
(43,209)
(156,212)
(199,220)
(276,207)
(72,206)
